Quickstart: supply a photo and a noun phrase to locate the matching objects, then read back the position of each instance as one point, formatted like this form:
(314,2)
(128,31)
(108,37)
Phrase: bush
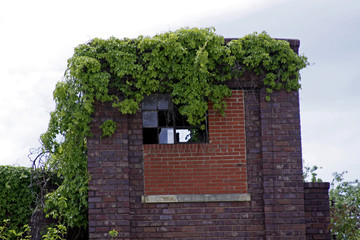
(16,196)
(345,207)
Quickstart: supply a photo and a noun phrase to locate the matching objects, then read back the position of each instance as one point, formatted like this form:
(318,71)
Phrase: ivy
(192,65)
(273,59)
(108,128)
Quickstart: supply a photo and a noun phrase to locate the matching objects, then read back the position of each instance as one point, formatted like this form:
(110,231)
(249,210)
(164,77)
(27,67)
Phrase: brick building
(240,178)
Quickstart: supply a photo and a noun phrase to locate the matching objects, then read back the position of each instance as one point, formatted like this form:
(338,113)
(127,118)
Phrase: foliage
(113,233)
(345,207)
(6,233)
(56,233)
(16,199)
(190,64)
(21,193)
(270,58)
(108,128)
(311,171)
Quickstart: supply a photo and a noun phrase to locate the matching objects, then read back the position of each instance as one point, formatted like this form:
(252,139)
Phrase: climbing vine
(192,65)
(270,58)
(108,128)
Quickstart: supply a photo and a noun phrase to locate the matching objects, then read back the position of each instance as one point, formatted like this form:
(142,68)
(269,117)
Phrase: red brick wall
(208,168)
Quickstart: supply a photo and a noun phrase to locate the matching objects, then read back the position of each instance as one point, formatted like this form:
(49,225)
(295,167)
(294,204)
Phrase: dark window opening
(147,132)
(163,124)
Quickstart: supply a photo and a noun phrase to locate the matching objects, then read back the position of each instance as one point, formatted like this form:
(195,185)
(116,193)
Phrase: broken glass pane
(150,136)
(180,120)
(165,118)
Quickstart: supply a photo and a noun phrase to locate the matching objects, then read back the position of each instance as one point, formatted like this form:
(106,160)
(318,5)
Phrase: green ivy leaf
(108,128)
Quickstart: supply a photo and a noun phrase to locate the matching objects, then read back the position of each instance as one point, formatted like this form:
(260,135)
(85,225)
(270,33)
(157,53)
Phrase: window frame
(162,122)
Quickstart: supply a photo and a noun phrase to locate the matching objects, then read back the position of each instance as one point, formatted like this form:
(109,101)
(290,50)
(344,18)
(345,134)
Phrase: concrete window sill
(196,198)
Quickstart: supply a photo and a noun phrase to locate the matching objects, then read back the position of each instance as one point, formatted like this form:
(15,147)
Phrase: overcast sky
(37,38)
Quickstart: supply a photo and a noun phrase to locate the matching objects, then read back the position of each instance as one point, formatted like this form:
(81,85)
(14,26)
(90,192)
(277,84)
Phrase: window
(163,124)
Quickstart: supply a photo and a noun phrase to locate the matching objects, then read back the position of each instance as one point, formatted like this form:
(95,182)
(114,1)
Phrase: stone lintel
(196,198)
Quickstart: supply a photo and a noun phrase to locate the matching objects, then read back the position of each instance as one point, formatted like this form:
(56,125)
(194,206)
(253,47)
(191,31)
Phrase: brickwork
(255,149)
(282,166)
(317,213)
(216,167)
(197,221)
(108,166)
(207,220)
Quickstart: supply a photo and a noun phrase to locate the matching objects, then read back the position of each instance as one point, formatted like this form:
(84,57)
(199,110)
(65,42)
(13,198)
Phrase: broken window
(163,123)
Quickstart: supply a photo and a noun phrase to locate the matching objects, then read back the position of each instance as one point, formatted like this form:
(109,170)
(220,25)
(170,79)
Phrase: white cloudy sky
(37,37)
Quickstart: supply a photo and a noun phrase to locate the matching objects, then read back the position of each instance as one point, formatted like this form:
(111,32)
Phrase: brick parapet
(317,210)
(108,167)
(282,166)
